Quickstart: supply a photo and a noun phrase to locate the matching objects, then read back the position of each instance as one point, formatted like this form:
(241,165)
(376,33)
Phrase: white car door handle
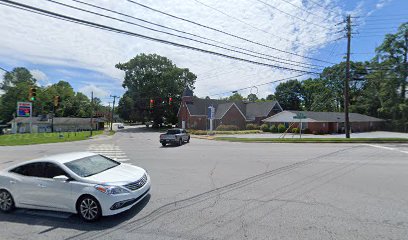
(41,186)
(12,182)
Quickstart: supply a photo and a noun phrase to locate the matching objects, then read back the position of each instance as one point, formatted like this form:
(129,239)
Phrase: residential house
(193,112)
(326,122)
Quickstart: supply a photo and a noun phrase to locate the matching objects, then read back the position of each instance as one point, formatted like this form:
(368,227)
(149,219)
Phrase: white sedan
(86,183)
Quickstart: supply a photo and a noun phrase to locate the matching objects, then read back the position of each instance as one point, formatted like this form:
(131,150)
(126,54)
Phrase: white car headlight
(111,190)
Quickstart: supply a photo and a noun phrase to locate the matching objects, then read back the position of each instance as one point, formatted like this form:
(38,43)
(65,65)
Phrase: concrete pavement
(222,190)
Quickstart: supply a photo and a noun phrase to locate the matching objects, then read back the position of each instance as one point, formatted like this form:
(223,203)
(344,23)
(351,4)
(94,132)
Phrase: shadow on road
(73,222)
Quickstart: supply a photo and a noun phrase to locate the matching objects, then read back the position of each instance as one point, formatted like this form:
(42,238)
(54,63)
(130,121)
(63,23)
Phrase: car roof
(64,157)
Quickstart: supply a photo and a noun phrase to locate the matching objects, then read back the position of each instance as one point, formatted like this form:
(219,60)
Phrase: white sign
(24,109)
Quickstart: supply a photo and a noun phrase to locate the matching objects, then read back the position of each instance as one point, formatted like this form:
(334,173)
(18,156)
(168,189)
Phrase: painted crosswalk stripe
(110,151)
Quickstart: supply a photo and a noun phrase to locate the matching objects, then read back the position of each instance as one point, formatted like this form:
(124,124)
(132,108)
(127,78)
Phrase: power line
(301,8)
(221,31)
(324,7)
(294,16)
(116,30)
(4,69)
(262,84)
(239,20)
(151,29)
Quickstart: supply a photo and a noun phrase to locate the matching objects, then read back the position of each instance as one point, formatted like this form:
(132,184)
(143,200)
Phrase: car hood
(122,174)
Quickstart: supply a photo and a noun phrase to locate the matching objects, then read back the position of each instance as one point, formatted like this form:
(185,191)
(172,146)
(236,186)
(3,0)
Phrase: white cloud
(381,3)
(42,78)
(42,40)
(97,91)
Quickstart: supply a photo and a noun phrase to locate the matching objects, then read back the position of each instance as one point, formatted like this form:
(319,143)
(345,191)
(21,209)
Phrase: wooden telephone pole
(347,80)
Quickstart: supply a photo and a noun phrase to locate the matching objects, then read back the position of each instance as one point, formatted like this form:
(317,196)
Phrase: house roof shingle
(251,110)
(287,116)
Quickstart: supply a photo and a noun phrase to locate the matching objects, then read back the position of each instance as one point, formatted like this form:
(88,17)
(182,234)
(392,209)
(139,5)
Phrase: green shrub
(295,130)
(273,129)
(251,126)
(281,128)
(265,127)
(227,128)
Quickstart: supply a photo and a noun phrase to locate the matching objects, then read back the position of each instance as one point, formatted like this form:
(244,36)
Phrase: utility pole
(347,80)
(113,109)
(91,112)
(109,113)
(405,71)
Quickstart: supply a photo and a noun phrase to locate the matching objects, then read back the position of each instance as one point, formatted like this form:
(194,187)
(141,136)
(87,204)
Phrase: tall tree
(316,96)
(16,85)
(153,77)
(252,97)
(288,94)
(235,97)
(394,53)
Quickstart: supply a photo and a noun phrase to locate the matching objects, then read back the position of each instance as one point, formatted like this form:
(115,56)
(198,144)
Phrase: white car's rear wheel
(6,201)
(89,209)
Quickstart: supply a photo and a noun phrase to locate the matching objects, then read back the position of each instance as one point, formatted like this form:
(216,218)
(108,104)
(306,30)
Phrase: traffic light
(151,103)
(57,100)
(32,95)
(170,101)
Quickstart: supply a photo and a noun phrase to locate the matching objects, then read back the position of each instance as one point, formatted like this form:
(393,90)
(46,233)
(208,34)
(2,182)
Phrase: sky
(305,31)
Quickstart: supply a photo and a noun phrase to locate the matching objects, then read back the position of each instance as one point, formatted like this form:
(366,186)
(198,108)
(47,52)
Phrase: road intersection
(223,190)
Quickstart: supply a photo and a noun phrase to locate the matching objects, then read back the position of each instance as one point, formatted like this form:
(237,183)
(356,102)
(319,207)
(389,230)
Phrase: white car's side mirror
(61,178)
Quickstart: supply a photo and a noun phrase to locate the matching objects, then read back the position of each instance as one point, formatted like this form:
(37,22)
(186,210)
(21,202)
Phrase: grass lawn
(38,138)
(314,140)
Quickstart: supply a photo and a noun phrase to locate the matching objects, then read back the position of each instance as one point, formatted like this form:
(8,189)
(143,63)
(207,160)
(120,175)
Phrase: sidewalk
(378,134)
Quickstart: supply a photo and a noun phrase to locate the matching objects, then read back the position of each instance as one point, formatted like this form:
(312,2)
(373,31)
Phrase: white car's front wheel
(89,209)
(6,201)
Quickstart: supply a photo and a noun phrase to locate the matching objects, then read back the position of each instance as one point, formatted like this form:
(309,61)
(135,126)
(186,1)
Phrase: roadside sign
(24,109)
(210,112)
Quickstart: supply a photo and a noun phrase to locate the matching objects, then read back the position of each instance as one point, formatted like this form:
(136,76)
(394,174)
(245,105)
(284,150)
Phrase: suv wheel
(180,142)
(89,209)
(6,201)
(188,139)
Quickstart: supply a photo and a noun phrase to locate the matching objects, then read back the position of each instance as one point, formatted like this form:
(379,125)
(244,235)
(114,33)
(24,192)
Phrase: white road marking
(109,150)
(387,148)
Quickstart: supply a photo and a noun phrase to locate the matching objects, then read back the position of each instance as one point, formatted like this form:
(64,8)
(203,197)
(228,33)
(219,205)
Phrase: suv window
(30,170)
(52,170)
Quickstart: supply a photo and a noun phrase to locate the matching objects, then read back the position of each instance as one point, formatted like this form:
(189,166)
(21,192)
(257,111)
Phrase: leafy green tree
(394,53)
(316,96)
(154,77)
(235,97)
(16,85)
(271,97)
(252,97)
(288,94)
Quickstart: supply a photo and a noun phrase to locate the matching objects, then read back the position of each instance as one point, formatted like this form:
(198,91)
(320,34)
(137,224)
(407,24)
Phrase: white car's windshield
(92,165)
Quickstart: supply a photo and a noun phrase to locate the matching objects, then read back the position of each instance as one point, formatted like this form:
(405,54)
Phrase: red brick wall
(232,117)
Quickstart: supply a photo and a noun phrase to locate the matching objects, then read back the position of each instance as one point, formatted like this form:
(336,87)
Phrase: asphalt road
(222,190)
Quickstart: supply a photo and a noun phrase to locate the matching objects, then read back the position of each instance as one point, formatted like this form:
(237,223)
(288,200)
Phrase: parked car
(175,136)
(121,126)
(89,184)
